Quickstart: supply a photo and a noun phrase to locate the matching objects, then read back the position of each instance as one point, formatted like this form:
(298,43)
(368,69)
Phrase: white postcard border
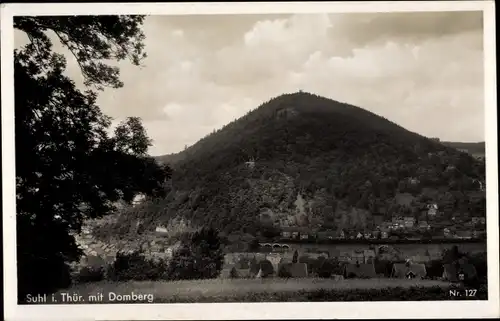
(235,311)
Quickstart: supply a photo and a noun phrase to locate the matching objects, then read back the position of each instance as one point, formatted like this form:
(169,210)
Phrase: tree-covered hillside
(304,160)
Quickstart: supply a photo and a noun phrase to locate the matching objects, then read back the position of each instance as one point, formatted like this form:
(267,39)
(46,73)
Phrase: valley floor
(217,289)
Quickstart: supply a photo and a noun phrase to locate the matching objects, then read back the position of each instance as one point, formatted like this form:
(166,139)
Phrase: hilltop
(307,161)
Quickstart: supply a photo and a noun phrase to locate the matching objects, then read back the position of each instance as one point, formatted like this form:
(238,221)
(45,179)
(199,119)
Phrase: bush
(199,257)
(434,269)
(284,270)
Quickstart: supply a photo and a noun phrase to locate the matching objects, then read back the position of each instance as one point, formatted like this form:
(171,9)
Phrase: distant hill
(307,161)
(475,149)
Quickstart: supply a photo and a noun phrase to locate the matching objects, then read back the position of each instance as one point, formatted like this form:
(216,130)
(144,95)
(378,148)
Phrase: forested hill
(304,160)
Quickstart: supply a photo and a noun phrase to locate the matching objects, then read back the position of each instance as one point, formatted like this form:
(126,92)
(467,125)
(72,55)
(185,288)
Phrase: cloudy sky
(423,71)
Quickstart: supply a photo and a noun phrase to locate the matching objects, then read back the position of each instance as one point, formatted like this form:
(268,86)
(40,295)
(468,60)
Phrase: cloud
(421,70)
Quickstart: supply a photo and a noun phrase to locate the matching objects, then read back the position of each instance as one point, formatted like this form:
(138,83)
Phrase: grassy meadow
(242,290)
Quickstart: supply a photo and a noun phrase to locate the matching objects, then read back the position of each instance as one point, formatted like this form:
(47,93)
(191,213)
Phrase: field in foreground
(273,290)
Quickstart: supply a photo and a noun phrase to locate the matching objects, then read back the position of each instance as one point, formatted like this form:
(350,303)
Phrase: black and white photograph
(294,159)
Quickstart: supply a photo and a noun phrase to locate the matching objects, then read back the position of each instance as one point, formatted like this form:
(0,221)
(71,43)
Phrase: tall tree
(68,168)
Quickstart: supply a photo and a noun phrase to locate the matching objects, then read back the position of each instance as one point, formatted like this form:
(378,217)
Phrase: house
(359,236)
(286,234)
(413,180)
(367,235)
(478,220)
(250,163)
(342,234)
(408,270)
(360,270)
(459,272)
(291,232)
(369,256)
(304,236)
(384,234)
(161,231)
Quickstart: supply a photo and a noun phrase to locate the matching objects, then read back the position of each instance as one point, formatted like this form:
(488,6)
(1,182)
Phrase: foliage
(68,168)
(200,257)
(91,39)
